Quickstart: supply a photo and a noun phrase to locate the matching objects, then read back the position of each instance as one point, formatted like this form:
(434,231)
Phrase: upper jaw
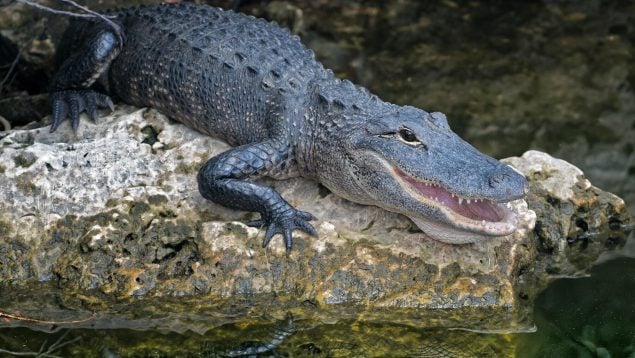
(476,216)
(481,216)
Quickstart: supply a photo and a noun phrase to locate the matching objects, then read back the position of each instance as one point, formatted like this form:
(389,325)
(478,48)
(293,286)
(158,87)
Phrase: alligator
(254,85)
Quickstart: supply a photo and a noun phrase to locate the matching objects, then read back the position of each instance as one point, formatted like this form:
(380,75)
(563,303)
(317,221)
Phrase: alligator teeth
(460,201)
(468,201)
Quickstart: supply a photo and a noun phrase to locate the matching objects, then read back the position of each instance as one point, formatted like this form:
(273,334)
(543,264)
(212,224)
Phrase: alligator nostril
(510,183)
(497,179)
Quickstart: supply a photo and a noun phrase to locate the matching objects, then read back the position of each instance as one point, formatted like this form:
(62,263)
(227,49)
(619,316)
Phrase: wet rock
(112,214)
(587,220)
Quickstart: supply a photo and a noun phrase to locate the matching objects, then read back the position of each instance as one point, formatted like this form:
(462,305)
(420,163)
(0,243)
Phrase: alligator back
(223,73)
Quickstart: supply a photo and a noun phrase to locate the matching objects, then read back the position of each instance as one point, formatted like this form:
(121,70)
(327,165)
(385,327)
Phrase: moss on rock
(24,159)
(25,183)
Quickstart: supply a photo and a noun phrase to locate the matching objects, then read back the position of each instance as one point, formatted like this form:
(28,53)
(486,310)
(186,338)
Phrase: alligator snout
(510,183)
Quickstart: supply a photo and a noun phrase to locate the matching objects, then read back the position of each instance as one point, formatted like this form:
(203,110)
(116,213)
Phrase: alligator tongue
(482,210)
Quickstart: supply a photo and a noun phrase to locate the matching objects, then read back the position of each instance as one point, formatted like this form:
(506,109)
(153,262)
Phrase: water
(592,316)
(587,317)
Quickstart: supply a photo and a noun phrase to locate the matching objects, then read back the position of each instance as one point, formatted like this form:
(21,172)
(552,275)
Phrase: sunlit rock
(114,209)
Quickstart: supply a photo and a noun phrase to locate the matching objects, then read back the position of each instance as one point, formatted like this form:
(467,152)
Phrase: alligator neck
(334,109)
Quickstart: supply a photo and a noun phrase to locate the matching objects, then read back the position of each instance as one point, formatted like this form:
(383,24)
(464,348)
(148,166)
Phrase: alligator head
(409,161)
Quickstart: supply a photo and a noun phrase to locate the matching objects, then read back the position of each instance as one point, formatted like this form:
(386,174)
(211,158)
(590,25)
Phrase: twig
(54,11)
(6,124)
(59,344)
(94,13)
(90,13)
(28,354)
(48,353)
(33,320)
(11,68)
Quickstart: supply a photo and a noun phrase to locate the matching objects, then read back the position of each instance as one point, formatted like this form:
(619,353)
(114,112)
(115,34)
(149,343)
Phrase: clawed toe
(256,223)
(73,102)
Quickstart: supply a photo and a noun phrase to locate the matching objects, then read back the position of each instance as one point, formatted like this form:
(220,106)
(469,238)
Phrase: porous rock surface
(113,211)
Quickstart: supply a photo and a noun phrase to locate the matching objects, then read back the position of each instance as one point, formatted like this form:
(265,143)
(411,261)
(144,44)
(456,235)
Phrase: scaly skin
(256,86)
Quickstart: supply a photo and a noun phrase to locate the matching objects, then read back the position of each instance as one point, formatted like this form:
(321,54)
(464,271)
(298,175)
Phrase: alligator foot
(284,224)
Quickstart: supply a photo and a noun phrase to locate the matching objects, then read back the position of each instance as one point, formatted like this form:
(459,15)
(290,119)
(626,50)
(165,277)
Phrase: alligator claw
(71,103)
(308,228)
(284,225)
(306,215)
(256,223)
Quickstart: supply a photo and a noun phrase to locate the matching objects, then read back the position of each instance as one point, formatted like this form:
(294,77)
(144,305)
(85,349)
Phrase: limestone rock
(113,212)
(576,222)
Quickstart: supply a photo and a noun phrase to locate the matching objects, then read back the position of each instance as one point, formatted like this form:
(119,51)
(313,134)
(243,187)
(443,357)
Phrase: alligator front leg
(70,92)
(223,180)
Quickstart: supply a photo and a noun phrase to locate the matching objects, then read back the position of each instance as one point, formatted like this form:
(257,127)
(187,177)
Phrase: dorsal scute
(343,95)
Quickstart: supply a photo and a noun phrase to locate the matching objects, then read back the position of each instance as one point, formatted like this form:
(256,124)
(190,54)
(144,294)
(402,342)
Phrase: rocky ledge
(112,212)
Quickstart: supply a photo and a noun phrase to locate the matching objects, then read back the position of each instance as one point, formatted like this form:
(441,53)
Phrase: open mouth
(480,215)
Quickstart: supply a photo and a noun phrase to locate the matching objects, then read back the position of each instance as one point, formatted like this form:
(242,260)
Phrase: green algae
(158,199)
(24,182)
(183,168)
(340,340)
(138,208)
(24,159)
(6,228)
(185,326)
(190,168)
(131,326)
(150,135)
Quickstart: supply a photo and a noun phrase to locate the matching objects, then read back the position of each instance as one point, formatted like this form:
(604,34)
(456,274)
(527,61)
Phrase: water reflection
(587,317)
(584,317)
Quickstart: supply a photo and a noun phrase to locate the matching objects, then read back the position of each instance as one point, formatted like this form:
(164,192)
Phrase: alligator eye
(408,135)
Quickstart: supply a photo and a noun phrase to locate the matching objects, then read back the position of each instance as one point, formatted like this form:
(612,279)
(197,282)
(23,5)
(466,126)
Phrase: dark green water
(592,316)
(586,317)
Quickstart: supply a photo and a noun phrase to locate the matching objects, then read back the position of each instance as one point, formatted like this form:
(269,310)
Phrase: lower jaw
(462,230)
(449,234)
